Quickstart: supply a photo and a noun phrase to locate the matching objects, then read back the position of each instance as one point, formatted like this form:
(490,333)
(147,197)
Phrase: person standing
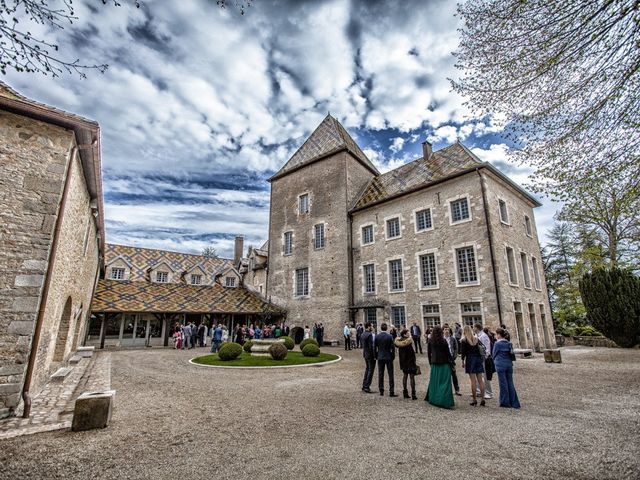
(473,363)
(416,333)
(369,354)
(346,333)
(407,357)
(216,339)
(307,332)
(507,335)
(452,343)
(359,332)
(386,353)
(458,332)
(488,362)
(320,335)
(439,392)
(503,359)
(186,334)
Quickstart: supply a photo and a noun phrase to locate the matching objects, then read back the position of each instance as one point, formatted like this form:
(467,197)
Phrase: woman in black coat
(407,357)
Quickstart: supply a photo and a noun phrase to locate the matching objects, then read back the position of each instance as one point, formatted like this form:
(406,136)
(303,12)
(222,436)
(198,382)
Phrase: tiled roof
(127,296)
(330,136)
(442,164)
(141,259)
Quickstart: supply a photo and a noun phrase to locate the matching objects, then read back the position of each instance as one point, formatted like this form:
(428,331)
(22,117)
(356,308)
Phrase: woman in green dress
(439,392)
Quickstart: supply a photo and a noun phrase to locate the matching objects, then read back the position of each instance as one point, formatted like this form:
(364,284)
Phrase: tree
(21,51)
(612,301)
(209,252)
(566,77)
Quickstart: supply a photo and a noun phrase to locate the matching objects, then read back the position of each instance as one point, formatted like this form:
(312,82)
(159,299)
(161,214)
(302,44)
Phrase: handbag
(418,371)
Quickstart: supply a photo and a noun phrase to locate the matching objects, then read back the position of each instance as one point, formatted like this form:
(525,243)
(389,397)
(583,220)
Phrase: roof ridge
(167,251)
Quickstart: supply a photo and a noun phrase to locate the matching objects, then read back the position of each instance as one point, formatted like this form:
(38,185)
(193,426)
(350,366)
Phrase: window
(459,210)
(318,235)
(367,235)
(196,279)
(504,215)
(471,313)
(303,203)
(428,273)
(536,272)
(288,243)
(396,280)
(117,273)
(162,277)
(466,260)
(525,270)
(393,228)
(527,226)
(371,315)
(430,315)
(398,317)
(511,263)
(423,220)
(302,282)
(230,282)
(369,278)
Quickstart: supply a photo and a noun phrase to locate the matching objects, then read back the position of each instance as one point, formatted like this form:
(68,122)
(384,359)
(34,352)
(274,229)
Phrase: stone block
(61,374)
(25,304)
(555,355)
(75,360)
(28,280)
(93,410)
(9,388)
(20,328)
(548,357)
(85,352)
(40,265)
(11,401)
(17,369)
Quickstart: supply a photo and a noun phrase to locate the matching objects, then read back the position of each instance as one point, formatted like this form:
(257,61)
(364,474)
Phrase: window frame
(526,275)
(308,283)
(307,198)
(536,274)
(119,269)
(389,275)
(233,282)
(479,313)
(386,227)
(419,256)
(430,314)
(474,248)
(528,228)
(402,308)
(166,276)
(364,279)
(501,202)
(513,283)
(284,244)
(323,236)
(373,234)
(193,277)
(415,219)
(464,220)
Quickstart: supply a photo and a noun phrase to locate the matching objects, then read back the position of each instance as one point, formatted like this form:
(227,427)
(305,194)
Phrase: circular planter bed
(246,360)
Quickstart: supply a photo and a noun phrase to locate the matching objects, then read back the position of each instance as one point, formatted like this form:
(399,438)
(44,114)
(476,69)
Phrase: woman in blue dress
(502,351)
(473,363)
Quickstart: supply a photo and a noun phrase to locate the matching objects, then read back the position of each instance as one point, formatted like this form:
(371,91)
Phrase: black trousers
(382,364)
(347,343)
(370,367)
(417,344)
(454,377)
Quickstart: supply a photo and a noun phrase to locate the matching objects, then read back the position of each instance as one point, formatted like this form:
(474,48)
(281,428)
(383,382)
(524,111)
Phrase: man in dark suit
(415,335)
(369,354)
(386,353)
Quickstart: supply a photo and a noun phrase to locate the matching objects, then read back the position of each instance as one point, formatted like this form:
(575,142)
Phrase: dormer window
(196,279)
(230,282)
(117,273)
(162,277)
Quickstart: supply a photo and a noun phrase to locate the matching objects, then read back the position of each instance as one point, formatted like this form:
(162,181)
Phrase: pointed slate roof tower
(328,138)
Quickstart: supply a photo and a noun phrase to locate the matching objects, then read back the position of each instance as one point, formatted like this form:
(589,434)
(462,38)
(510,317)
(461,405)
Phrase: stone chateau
(446,238)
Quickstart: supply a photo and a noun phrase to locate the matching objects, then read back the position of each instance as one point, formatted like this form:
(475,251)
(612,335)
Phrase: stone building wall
(442,239)
(332,184)
(536,327)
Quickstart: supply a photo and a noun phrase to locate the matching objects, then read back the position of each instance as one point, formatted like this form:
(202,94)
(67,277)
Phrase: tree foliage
(566,77)
(209,252)
(612,301)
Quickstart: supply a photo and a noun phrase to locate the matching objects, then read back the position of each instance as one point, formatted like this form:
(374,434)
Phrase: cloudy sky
(200,105)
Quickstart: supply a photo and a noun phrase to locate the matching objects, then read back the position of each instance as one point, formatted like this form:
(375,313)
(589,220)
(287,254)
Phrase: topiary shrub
(288,342)
(230,351)
(309,341)
(247,346)
(310,350)
(278,351)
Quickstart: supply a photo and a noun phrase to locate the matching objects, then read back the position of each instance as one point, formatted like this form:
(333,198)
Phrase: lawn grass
(247,360)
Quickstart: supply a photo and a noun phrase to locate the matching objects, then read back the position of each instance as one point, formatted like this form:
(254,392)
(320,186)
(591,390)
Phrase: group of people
(482,352)
(190,335)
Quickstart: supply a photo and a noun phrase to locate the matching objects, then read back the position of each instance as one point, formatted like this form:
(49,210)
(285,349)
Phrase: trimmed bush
(310,350)
(247,346)
(230,351)
(278,351)
(308,341)
(288,342)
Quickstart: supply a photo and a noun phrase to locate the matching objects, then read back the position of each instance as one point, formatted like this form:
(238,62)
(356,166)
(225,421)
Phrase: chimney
(237,250)
(427,151)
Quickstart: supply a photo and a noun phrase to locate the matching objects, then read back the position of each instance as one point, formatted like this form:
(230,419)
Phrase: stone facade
(37,158)
(345,195)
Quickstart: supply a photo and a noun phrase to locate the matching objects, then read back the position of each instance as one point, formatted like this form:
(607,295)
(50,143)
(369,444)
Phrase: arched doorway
(78,327)
(63,332)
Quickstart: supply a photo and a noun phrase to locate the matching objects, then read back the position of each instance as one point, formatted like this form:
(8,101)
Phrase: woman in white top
(307,332)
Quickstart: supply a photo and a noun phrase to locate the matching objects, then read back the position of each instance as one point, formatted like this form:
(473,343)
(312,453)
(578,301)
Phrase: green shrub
(310,350)
(229,351)
(587,331)
(278,351)
(247,346)
(308,341)
(288,342)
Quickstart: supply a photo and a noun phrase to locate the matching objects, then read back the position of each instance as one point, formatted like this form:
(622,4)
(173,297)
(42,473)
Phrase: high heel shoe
(482,404)
(474,403)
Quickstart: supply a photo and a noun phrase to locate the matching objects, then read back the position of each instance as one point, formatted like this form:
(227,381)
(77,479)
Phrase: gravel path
(580,420)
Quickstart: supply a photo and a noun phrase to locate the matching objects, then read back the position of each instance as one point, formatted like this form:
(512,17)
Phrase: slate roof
(134,297)
(142,259)
(329,137)
(444,163)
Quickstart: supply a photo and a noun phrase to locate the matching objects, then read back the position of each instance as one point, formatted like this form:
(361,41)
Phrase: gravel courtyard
(580,420)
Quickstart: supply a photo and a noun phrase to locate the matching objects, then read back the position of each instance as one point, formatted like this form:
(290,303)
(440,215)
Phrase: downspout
(45,292)
(491,252)
(350,266)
